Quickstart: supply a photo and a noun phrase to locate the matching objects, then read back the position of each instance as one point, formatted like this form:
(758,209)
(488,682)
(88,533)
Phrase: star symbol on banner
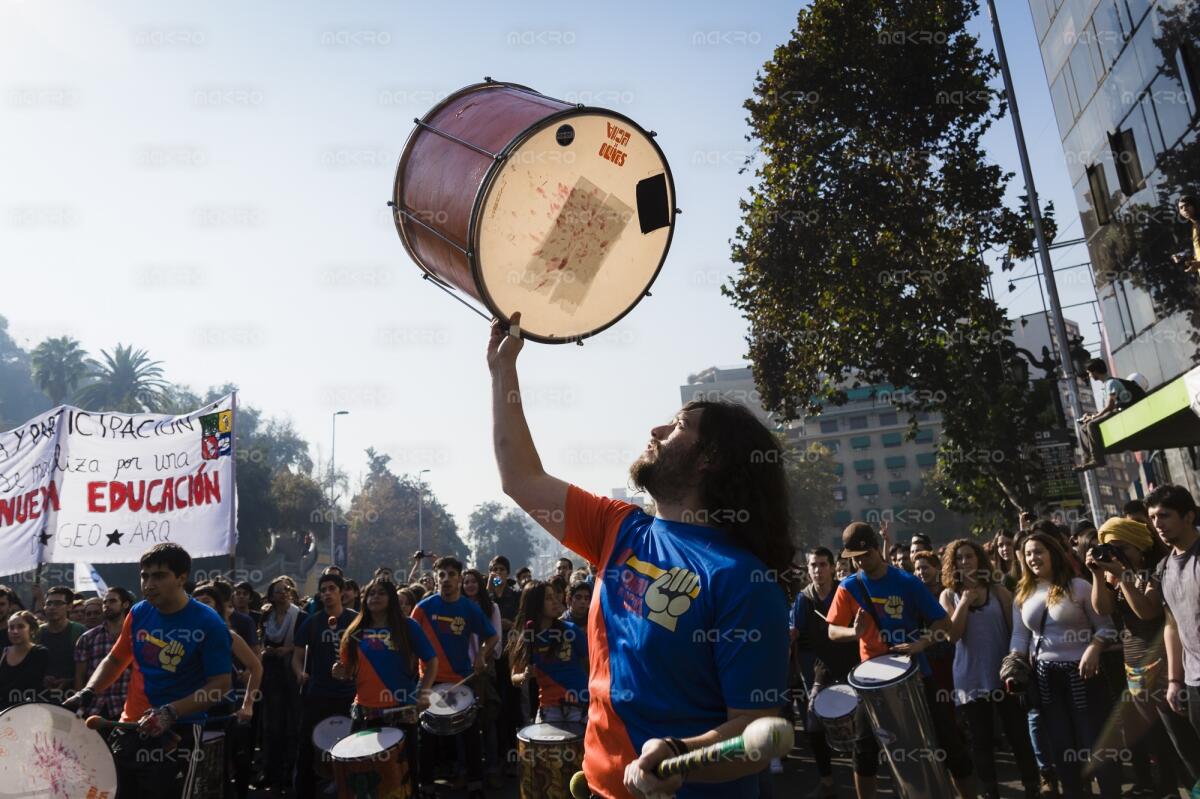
(113,538)
(44,538)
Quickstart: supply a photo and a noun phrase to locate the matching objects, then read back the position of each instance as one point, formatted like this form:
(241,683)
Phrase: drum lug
(647,294)
(652,133)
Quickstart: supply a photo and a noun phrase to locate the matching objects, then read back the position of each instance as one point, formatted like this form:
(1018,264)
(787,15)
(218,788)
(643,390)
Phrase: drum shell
(450,723)
(900,718)
(383,775)
(547,766)
(842,732)
(434,171)
(321,749)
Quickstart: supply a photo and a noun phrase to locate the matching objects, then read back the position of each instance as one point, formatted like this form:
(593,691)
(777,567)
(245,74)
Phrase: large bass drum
(527,203)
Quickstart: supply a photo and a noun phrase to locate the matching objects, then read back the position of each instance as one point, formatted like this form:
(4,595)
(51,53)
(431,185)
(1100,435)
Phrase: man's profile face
(669,465)
(1187,210)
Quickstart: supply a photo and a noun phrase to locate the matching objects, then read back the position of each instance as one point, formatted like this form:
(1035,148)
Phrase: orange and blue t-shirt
(448,626)
(684,625)
(559,658)
(173,655)
(384,678)
(903,606)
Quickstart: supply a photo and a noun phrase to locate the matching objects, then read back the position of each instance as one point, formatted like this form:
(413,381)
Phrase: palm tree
(59,366)
(126,381)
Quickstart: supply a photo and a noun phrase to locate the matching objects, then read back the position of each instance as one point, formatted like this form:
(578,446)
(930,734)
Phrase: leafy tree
(861,244)
(496,529)
(298,502)
(20,398)
(811,479)
(60,365)
(126,381)
(384,524)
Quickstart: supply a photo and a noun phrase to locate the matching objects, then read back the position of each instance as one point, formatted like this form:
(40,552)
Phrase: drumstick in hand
(763,739)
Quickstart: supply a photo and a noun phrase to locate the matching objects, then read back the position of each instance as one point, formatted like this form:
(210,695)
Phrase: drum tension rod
(446,289)
(409,215)
(467,144)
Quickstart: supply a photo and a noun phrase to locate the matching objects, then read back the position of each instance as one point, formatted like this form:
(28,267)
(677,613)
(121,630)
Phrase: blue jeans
(1071,734)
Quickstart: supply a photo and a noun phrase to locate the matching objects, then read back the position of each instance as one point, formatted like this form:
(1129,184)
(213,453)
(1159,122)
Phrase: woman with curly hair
(980,610)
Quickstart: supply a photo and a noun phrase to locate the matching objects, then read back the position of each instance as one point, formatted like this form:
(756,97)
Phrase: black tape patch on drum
(654,211)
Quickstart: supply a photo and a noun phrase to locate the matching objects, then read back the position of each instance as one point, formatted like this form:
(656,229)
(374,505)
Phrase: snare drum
(838,709)
(531,204)
(45,751)
(893,691)
(324,737)
(210,767)
(451,709)
(371,764)
(550,754)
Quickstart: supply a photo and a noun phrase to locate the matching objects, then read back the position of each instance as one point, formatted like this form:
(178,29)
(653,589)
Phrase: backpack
(1130,392)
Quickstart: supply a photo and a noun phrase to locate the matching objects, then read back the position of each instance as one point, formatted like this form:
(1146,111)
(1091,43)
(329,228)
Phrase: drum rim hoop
(858,685)
(489,179)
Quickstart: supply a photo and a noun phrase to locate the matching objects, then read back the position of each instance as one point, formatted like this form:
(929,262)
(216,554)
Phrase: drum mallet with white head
(763,739)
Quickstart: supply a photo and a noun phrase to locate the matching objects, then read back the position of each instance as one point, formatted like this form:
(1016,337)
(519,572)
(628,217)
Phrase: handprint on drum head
(669,596)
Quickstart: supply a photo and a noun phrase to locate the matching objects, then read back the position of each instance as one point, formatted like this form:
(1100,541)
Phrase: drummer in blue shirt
(889,610)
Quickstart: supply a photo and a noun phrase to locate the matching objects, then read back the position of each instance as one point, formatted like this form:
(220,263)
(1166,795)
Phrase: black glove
(82,697)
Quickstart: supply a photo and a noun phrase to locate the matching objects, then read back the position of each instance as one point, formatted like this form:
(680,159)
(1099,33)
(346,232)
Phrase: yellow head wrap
(1126,530)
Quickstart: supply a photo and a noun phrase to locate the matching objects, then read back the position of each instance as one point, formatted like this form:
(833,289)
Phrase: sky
(208,181)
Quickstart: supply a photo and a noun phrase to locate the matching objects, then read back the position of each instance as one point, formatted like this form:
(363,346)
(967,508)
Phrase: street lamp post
(1060,326)
(421,509)
(332,480)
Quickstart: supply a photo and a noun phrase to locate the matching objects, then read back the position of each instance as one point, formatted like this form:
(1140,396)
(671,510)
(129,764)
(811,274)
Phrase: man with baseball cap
(889,611)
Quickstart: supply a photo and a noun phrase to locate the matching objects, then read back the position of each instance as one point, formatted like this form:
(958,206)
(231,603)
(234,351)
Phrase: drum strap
(869,604)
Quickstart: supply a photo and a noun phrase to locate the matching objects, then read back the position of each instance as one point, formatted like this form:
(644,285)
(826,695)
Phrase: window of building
(1125,156)
(839,493)
(924,436)
(1083,71)
(892,439)
(1098,184)
(833,445)
(829,425)
(1112,29)
(1187,61)
(888,418)
(858,423)
(1171,104)
(1063,110)
(860,442)
(1135,9)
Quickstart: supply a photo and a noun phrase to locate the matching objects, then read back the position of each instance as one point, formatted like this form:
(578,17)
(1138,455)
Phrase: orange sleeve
(122,650)
(841,610)
(592,523)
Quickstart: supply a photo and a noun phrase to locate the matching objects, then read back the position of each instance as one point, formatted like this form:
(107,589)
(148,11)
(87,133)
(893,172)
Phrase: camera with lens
(1105,553)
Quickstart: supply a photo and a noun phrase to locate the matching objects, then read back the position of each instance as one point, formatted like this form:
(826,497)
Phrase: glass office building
(1123,101)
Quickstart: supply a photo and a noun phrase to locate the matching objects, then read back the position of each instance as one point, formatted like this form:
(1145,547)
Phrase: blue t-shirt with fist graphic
(689,624)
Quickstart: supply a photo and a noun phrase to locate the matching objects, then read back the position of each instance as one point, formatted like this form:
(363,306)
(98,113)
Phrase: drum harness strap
(869,604)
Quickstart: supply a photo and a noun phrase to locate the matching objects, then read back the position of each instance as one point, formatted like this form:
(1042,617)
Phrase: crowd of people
(1079,648)
(293,661)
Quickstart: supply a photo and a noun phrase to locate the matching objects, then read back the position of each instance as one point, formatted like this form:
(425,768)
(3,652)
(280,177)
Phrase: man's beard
(665,478)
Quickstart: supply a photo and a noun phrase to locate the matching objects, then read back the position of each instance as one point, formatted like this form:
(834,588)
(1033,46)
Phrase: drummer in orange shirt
(886,609)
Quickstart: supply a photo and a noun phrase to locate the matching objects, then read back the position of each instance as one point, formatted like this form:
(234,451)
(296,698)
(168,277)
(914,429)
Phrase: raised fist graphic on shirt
(669,596)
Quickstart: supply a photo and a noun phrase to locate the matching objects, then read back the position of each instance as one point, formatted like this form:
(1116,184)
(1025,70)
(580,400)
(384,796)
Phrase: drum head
(329,731)
(448,700)
(551,733)
(574,225)
(883,670)
(835,702)
(366,744)
(45,751)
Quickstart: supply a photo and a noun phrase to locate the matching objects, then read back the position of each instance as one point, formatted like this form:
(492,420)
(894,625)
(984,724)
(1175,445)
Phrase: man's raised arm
(522,477)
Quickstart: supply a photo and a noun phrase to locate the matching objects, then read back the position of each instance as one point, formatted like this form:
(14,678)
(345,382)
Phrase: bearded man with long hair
(688,626)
